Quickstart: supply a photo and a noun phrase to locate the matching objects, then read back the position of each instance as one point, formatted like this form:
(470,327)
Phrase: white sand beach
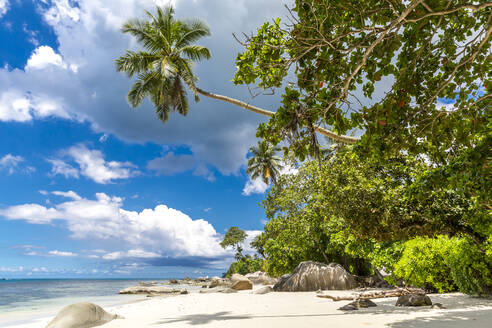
(244,309)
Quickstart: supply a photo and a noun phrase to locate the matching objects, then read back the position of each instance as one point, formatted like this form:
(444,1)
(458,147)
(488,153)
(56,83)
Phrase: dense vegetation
(365,216)
(412,194)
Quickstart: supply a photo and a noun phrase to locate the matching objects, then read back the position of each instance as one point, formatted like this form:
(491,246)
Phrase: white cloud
(14,107)
(217,134)
(251,235)
(42,57)
(11,269)
(256,186)
(62,254)
(161,231)
(23,107)
(67,194)
(93,165)
(133,253)
(4,7)
(10,162)
(60,167)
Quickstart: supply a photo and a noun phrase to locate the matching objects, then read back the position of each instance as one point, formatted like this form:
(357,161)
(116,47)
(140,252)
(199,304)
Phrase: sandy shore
(244,309)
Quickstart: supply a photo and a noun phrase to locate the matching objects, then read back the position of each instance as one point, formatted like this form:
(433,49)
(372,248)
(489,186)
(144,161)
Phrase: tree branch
(325,132)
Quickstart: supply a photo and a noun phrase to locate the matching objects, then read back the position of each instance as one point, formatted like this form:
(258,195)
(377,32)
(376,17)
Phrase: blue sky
(90,187)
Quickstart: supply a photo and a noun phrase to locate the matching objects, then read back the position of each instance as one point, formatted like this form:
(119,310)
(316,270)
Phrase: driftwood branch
(372,295)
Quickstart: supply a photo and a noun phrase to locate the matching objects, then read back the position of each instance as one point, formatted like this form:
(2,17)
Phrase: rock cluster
(150,290)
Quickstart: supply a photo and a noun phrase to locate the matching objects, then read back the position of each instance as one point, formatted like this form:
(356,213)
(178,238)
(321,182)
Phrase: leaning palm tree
(164,67)
(264,163)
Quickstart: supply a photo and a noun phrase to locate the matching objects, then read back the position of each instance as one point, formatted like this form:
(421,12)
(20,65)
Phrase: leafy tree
(234,237)
(264,162)
(405,55)
(164,67)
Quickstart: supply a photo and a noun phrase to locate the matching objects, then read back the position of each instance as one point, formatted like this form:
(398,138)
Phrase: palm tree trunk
(325,132)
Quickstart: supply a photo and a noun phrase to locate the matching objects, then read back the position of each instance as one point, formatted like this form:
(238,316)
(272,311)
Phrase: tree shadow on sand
(479,318)
(201,319)
(461,311)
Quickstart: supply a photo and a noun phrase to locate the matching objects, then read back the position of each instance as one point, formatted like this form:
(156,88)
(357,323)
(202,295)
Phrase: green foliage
(424,263)
(362,213)
(444,264)
(265,59)
(234,237)
(244,265)
(425,52)
(305,223)
(470,268)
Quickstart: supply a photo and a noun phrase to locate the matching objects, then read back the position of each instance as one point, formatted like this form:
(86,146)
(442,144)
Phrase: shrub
(424,263)
(470,269)
(244,265)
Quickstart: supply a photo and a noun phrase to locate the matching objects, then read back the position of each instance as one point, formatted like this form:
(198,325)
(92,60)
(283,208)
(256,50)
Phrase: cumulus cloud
(256,186)
(161,231)
(217,134)
(43,57)
(91,164)
(4,7)
(23,107)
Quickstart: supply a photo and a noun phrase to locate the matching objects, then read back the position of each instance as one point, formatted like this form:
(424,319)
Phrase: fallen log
(368,296)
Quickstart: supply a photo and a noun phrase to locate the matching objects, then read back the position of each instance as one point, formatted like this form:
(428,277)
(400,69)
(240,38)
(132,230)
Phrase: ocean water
(25,301)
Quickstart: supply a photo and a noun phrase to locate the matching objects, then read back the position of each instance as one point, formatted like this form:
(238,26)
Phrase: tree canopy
(381,67)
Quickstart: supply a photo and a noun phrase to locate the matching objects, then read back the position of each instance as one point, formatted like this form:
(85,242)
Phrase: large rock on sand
(149,290)
(413,300)
(240,282)
(81,315)
(261,278)
(312,276)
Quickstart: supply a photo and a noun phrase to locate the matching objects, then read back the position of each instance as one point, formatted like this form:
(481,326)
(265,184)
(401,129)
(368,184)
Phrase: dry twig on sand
(379,294)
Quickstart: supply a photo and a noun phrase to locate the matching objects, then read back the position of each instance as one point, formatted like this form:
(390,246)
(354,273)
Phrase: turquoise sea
(28,300)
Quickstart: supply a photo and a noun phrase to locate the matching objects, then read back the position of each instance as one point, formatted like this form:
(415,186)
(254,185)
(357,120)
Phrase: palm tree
(264,162)
(164,67)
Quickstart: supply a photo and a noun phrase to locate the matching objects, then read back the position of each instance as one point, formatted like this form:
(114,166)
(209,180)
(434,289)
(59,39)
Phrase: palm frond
(135,62)
(195,52)
(194,30)
(144,86)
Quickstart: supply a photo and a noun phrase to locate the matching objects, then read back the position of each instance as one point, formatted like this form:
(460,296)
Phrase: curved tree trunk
(325,132)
